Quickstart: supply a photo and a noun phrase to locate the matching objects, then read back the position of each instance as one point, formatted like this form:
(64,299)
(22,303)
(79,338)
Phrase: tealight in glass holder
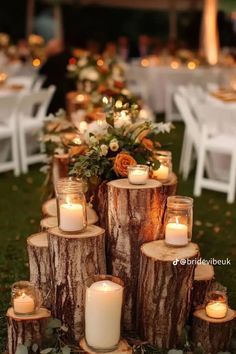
(103,310)
(164,171)
(178,221)
(71,205)
(216,304)
(138,174)
(26,298)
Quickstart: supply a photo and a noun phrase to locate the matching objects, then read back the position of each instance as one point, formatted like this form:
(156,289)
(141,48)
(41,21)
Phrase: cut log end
(41,314)
(38,240)
(204,272)
(201,314)
(123,348)
(123,183)
(48,222)
(89,232)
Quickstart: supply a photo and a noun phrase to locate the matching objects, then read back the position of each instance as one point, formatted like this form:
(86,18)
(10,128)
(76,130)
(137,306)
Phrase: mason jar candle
(71,205)
(138,174)
(216,304)
(103,309)
(26,299)
(178,221)
(164,171)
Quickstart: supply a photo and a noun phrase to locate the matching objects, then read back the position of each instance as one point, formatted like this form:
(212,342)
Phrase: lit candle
(216,309)
(138,174)
(103,314)
(176,234)
(23,304)
(162,173)
(71,217)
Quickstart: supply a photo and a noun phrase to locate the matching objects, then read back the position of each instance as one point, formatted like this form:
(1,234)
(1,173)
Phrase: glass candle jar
(178,221)
(71,205)
(26,298)
(138,174)
(103,309)
(164,171)
(216,304)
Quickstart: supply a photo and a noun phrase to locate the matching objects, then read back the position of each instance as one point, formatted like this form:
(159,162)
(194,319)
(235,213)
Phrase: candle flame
(176,220)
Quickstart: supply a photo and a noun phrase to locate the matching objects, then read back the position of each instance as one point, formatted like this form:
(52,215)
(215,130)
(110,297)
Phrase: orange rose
(147,143)
(122,161)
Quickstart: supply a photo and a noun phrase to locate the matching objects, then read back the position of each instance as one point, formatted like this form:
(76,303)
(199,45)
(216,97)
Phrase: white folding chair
(38,83)
(25,81)
(30,116)
(205,143)
(8,134)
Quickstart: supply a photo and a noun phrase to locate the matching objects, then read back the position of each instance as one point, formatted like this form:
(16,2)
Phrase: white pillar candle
(71,217)
(23,304)
(216,309)
(103,314)
(162,173)
(176,234)
(138,176)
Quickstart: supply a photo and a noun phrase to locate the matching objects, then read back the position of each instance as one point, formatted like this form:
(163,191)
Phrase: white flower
(89,74)
(93,140)
(114,145)
(71,67)
(59,151)
(82,62)
(103,150)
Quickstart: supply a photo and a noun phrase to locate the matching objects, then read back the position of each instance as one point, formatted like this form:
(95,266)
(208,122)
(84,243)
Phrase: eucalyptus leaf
(46,351)
(21,349)
(65,350)
(54,323)
(35,347)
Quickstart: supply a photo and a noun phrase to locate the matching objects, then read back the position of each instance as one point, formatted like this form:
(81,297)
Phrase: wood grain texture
(203,280)
(73,259)
(214,335)
(164,292)
(46,223)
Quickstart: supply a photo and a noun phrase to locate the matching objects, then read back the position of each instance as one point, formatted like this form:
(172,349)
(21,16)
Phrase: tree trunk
(203,278)
(27,329)
(73,259)
(123,347)
(46,223)
(214,335)
(135,215)
(40,275)
(164,292)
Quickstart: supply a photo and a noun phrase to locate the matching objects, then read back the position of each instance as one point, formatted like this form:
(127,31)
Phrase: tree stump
(48,222)
(123,348)
(37,245)
(214,335)
(135,215)
(164,292)
(203,278)
(25,329)
(60,167)
(73,259)
(49,208)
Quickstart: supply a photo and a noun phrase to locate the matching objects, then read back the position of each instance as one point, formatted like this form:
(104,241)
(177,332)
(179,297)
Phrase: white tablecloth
(154,79)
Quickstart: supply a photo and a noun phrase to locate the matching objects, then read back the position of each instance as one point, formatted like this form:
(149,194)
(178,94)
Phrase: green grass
(20,213)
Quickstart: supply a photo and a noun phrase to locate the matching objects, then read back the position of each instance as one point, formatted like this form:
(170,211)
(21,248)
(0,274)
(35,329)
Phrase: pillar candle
(216,309)
(176,234)
(103,314)
(71,217)
(23,304)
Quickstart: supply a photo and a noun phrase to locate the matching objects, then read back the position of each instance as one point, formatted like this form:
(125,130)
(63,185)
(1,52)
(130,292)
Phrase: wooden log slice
(73,259)
(25,329)
(48,222)
(214,335)
(164,291)
(135,215)
(49,208)
(37,246)
(123,348)
(203,279)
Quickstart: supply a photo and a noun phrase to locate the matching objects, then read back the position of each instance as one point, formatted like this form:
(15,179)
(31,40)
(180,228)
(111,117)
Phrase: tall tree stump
(49,208)
(164,292)
(73,259)
(203,279)
(25,329)
(48,222)
(135,215)
(37,245)
(214,335)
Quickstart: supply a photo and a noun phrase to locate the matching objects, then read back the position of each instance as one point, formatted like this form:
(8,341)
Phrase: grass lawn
(20,213)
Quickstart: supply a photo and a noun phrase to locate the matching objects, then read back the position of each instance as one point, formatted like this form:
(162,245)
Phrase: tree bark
(214,335)
(73,259)
(46,223)
(135,215)
(164,292)
(203,279)
(40,275)
(22,330)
